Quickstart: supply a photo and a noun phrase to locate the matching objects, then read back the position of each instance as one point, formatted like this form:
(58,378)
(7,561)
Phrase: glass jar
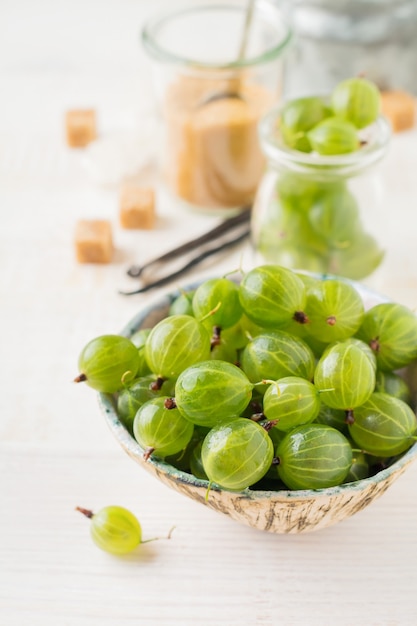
(337,40)
(217,68)
(320,213)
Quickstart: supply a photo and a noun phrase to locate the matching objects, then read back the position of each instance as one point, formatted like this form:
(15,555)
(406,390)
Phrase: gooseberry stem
(215,340)
(257,417)
(85,512)
(127,377)
(350,418)
(148,452)
(157,384)
(374,344)
(171,530)
(80,378)
(210,313)
(300,317)
(170,403)
(206,497)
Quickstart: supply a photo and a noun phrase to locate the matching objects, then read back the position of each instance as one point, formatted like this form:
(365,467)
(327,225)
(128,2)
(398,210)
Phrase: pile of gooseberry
(314,221)
(279,380)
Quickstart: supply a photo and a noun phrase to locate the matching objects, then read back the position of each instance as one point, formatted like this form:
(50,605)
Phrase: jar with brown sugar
(217,71)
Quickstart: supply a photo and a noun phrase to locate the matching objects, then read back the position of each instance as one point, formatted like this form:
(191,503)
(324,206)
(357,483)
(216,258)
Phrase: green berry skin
(383,425)
(335,216)
(237,454)
(357,260)
(164,430)
(297,193)
(211,392)
(357,100)
(314,456)
(139,340)
(292,401)
(392,384)
(183,304)
(345,376)
(299,116)
(335,310)
(108,361)
(367,350)
(334,136)
(196,462)
(220,293)
(336,418)
(270,295)
(273,355)
(131,398)
(390,329)
(116,530)
(359,468)
(175,343)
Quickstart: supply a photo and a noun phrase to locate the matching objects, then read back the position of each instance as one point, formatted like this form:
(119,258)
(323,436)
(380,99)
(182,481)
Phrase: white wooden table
(56,451)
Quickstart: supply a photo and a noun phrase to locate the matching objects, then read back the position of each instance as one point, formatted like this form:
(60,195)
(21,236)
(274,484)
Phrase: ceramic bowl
(281,511)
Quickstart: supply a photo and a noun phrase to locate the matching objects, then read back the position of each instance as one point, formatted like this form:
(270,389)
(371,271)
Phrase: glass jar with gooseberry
(318,207)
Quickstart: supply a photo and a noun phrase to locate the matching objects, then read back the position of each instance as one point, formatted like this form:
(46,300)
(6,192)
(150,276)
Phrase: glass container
(217,68)
(321,213)
(334,40)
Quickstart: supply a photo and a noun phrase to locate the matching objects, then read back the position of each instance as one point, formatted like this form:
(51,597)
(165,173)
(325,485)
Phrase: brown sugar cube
(400,108)
(137,207)
(93,241)
(80,127)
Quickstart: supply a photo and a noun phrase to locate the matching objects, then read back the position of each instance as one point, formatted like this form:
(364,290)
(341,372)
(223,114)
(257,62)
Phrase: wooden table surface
(56,452)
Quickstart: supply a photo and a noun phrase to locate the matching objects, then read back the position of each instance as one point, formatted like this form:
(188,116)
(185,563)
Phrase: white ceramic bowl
(282,511)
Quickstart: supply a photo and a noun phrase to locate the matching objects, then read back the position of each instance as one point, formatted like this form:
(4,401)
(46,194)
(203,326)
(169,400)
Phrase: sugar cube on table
(137,207)
(81,127)
(93,241)
(400,109)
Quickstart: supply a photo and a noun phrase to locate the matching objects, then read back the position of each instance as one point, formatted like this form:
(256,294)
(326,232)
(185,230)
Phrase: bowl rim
(132,447)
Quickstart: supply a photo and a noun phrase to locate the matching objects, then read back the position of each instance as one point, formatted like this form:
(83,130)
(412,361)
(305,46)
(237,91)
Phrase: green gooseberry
(174,343)
(345,376)
(271,295)
(297,192)
(210,392)
(133,396)
(335,310)
(334,136)
(160,429)
(108,362)
(216,303)
(335,217)
(357,260)
(139,340)
(313,456)
(392,384)
(291,401)
(183,304)
(196,462)
(299,116)
(359,468)
(276,354)
(357,100)
(237,454)
(383,425)
(336,418)
(390,329)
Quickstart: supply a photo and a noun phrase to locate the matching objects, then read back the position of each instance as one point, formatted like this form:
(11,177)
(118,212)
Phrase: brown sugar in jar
(214,159)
